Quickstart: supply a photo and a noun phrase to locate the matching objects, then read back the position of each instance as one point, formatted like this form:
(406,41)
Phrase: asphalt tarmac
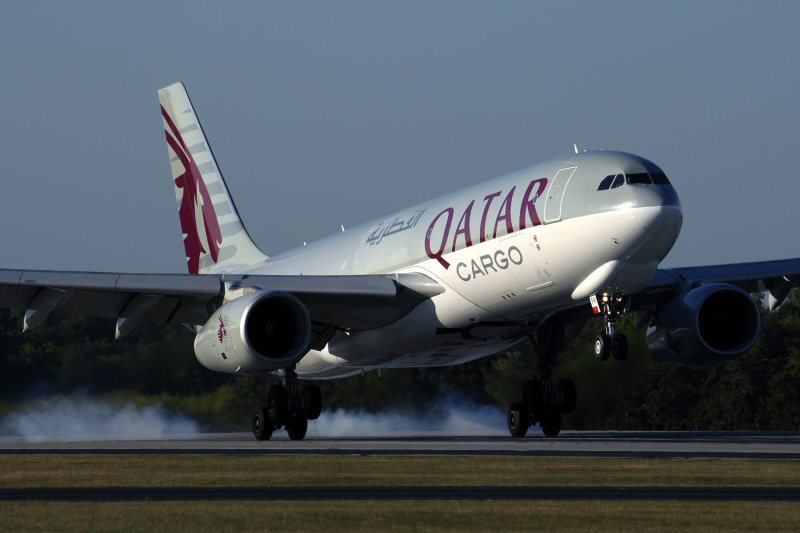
(633,444)
(733,445)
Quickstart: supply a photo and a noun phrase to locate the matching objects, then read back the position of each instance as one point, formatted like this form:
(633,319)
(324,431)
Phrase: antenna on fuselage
(576,148)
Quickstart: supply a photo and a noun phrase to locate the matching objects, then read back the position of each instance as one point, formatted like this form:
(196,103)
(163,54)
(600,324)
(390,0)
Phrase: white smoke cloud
(63,418)
(449,418)
(80,418)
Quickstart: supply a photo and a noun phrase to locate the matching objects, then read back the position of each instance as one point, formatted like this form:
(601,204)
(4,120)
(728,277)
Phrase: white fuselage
(508,252)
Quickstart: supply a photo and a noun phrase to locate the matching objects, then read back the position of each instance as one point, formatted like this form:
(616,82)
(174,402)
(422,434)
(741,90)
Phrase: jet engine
(709,325)
(258,332)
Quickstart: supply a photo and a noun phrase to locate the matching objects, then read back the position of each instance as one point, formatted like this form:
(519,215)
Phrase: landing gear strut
(289,407)
(612,307)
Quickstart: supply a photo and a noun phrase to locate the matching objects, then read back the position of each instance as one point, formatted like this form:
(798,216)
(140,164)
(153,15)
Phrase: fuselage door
(555,194)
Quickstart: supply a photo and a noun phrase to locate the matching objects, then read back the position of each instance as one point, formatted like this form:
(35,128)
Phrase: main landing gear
(545,403)
(613,307)
(287,406)
(542,401)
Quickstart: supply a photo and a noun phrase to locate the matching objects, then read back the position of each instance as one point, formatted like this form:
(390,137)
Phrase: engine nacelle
(258,332)
(709,325)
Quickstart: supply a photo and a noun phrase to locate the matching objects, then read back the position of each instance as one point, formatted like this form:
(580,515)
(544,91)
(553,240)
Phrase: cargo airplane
(529,255)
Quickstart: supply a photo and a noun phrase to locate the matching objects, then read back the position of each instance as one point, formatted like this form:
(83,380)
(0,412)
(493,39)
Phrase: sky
(323,114)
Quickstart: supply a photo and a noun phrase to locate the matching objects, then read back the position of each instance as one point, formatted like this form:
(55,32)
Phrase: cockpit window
(606,183)
(659,178)
(618,180)
(641,178)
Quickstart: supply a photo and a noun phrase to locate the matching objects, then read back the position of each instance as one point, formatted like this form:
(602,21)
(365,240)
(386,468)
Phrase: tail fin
(213,234)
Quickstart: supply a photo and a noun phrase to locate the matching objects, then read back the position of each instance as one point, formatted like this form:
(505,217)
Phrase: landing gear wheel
(602,346)
(517,420)
(533,400)
(278,404)
(297,427)
(620,347)
(263,426)
(313,401)
(551,422)
(567,395)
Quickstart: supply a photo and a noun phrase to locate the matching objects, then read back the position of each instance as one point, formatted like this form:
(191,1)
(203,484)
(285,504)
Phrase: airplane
(529,255)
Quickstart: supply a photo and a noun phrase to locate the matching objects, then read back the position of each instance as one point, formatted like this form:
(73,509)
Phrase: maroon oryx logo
(196,211)
(221,332)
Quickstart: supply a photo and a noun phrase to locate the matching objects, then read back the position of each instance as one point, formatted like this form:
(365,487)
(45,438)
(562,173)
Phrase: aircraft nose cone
(661,227)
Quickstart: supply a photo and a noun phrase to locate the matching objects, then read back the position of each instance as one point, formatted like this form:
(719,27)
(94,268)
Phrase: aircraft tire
(533,400)
(567,394)
(313,401)
(278,404)
(620,347)
(602,347)
(297,427)
(551,422)
(518,422)
(263,426)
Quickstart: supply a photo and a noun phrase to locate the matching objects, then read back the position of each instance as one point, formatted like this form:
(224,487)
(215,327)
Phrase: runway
(733,445)
(599,444)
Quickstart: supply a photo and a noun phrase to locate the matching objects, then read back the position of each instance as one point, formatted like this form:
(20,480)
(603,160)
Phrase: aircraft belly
(444,350)
(322,365)
(452,351)
(435,333)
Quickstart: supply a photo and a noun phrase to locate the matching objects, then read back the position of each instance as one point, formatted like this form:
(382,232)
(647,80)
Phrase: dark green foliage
(758,391)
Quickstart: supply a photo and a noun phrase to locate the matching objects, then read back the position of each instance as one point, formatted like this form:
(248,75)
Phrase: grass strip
(430,516)
(59,471)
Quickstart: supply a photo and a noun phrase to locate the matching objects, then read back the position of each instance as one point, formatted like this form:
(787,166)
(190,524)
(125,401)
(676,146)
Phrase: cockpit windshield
(606,183)
(612,182)
(654,175)
(638,183)
(659,178)
(642,178)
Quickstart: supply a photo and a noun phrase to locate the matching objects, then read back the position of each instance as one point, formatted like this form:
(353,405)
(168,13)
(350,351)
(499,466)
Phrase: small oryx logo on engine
(222,332)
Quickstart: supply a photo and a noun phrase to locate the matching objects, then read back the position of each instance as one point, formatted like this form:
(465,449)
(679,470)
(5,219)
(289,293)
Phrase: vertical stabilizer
(213,234)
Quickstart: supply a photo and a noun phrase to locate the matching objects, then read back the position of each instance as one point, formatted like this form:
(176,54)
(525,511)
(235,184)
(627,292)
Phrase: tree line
(156,365)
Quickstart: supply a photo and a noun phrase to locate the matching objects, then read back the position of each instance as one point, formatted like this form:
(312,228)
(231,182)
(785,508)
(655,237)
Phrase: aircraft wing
(774,277)
(346,302)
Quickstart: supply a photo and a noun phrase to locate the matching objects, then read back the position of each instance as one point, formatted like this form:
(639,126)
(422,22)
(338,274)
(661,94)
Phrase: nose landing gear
(612,307)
